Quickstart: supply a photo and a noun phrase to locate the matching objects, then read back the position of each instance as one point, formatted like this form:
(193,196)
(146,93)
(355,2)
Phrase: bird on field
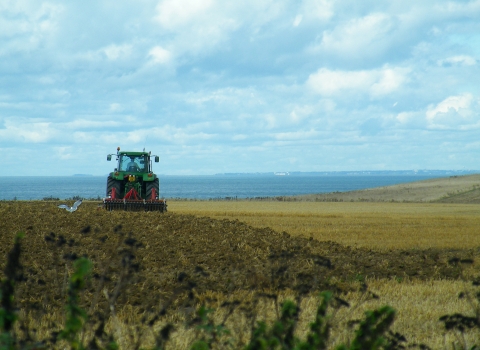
(71,209)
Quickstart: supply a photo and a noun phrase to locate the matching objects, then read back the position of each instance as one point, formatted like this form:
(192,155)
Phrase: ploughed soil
(154,256)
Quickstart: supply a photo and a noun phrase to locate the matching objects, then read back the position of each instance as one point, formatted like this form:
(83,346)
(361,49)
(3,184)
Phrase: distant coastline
(360,173)
(448,189)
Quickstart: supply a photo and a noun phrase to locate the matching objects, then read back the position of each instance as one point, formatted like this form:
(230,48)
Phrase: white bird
(71,209)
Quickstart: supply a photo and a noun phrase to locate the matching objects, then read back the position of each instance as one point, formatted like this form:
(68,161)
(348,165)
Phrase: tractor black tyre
(149,188)
(112,183)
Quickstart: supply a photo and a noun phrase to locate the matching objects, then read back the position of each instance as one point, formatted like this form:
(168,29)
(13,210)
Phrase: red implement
(132,194)
(133,202)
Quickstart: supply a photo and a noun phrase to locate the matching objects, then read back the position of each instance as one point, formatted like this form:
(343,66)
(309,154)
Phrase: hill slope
(454,189)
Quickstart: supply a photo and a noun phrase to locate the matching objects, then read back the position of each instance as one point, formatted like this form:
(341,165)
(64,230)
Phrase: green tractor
(133,185)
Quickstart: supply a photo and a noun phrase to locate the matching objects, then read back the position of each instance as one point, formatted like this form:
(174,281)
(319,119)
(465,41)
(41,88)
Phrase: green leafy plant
(210,333)
(76,316)
(371,333)
(8,314)
(280,335)
(457,323)
(320,328)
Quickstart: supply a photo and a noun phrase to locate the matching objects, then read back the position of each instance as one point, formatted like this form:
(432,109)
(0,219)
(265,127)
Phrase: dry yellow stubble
(419,305)
(380,226)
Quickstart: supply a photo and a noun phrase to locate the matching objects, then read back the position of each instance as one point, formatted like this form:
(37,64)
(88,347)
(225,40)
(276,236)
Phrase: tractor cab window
(132,163)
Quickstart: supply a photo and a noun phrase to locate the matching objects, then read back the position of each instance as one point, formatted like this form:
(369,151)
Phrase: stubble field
(406,253)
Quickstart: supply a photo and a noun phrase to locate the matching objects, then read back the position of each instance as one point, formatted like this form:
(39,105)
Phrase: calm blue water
(198,187)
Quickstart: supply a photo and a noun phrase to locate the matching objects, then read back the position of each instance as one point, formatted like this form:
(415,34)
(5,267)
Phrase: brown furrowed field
(244,251)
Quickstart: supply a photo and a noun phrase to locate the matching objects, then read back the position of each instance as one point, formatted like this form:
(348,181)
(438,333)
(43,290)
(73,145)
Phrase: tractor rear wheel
(112,183)
(149,188)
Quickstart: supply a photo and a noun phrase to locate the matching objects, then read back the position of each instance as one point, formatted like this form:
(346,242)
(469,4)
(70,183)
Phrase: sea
(208,187)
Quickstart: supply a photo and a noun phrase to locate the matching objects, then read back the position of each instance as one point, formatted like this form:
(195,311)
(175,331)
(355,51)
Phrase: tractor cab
(133,163)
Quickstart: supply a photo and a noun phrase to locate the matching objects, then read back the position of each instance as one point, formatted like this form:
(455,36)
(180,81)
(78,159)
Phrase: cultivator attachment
(133,202)
(135,205)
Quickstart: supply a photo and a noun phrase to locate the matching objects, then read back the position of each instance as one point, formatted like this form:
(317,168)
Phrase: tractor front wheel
(112,183)
(149,189)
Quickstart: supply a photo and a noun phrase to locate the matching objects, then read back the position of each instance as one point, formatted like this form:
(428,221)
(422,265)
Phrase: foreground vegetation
(209,334)
(191,278)
(88,328)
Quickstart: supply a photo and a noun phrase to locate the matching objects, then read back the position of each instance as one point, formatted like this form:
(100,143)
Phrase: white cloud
(359,35)
(173,14)
(452,103)
(296,135)
(317,9)
(160,55)
(20,18)
(462,60)
(198,25)
(389,80)
(268,121)
(376,82)
(328,82)
(84,137)
(407,117)
(453,9)
(297,20)
(25,26)
(116,107)
(114,52)
(409,120)
(226,96)
(167,133)
(300,113)
(455,112)
(89,124)
(34,132)
(239,137)
(64,153)
(111,53)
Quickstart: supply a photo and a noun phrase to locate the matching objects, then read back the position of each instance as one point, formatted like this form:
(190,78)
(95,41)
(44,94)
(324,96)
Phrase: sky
(217,86)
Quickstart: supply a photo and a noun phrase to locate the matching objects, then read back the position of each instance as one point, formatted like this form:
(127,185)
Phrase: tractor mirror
(109,157)
(157,159)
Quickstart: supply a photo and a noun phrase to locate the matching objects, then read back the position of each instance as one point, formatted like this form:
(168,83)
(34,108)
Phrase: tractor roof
(133,153)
